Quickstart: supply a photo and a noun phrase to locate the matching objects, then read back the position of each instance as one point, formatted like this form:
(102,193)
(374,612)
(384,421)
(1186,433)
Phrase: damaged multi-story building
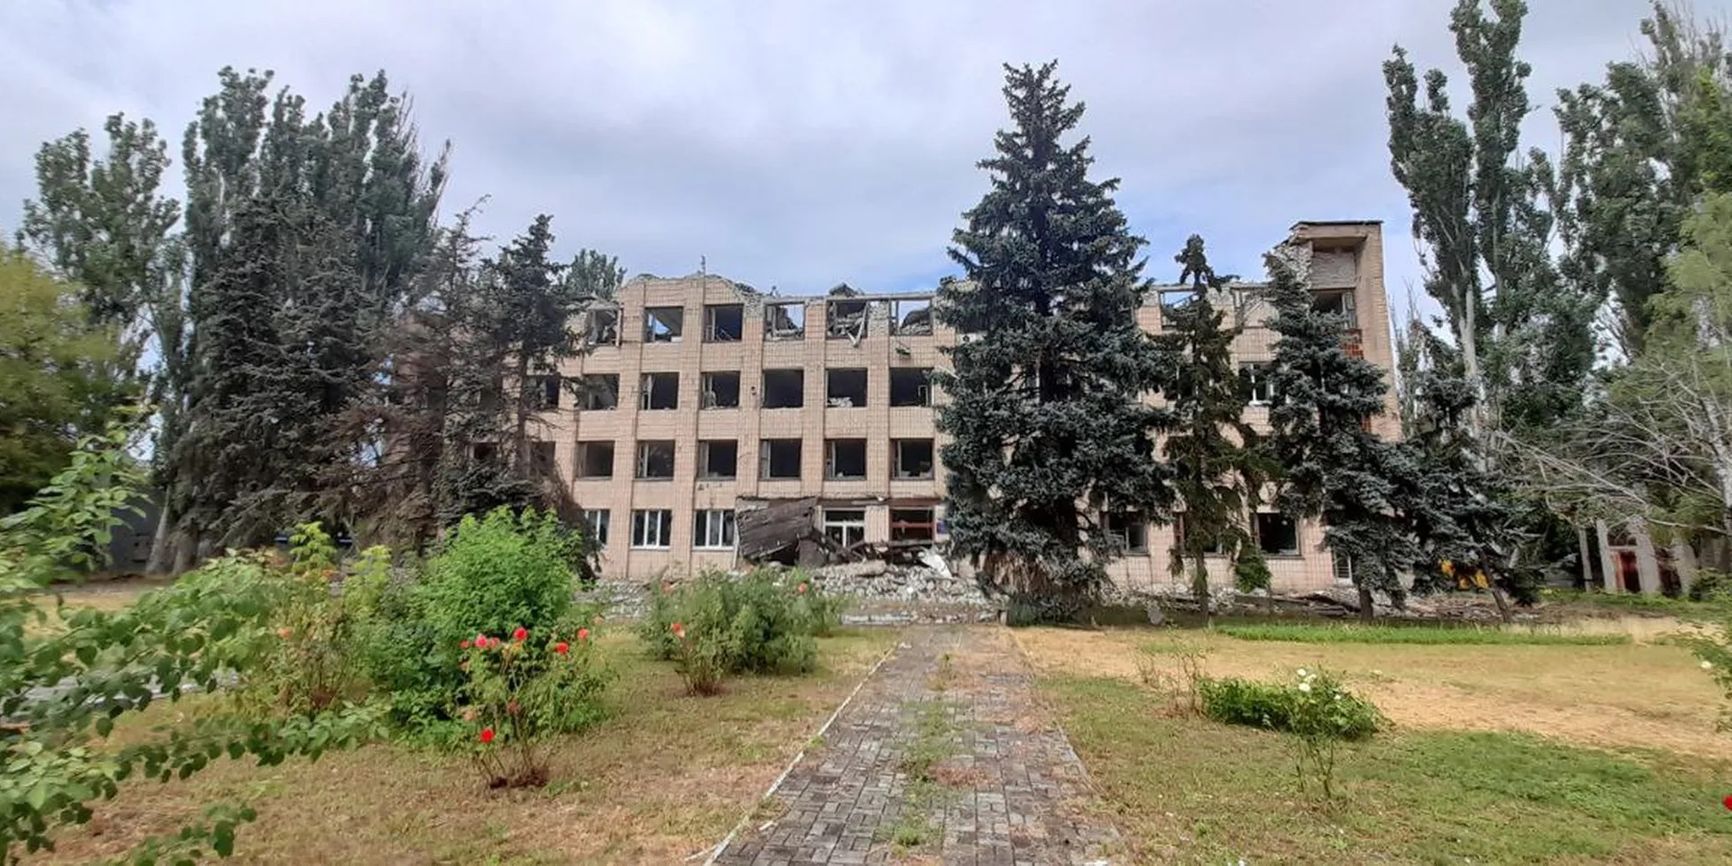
(715,424)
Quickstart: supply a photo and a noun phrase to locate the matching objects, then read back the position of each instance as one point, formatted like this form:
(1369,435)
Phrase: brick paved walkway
(1004,787)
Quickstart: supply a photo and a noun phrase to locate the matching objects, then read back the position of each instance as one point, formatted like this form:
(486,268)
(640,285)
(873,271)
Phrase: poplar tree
(1049,431)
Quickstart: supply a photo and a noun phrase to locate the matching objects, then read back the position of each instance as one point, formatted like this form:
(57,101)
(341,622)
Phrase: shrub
(520,690)
(1274,706)
(762,622)
(1250,569)
(1711,585)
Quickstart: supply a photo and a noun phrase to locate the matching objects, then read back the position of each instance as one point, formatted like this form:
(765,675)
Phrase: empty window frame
(600,391)
(784,389)
(785,321)
(721,390)
(595,459)
(1338,303)
(655,460)
(911,386)
(547,388)
(845,526)
(659,391)
(541,457)
(597,522)
(652,528)
(718,458)
(1277,534)
(845,389)
(1255,377)
(1131,530)
(844,458)
(913,457)
(1181,529)
(779,458)
(713,529)
(846,319)
(912,524)
(724,323)
(911,317)
(663,324)
(603,326)
(1173,299)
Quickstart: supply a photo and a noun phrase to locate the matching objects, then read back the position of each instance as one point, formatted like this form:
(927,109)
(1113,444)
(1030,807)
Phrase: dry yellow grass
(105,595)
(668,775)
(1637,695)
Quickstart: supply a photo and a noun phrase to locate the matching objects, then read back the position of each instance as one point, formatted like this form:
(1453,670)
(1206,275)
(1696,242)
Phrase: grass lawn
(1307,632)
(666,776)
(1184,789)
(106,595)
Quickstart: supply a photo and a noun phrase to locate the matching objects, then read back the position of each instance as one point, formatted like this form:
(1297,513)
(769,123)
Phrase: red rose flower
(463,644)
(582,634)
(801,589)
(481,641)
(1728,801)
(562,648)
(520,634)
(486,735)
(679,630)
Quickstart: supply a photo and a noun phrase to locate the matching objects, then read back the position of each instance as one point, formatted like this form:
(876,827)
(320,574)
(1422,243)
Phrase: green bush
(715,625)
(1251,569)
(522,689)
(1279,707)
(1711,585)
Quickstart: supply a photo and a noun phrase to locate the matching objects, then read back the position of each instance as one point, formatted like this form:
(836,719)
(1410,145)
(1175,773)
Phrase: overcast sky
(801,144)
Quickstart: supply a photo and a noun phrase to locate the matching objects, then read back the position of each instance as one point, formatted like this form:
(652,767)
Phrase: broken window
(845,458)
(911,386)
(546,390)
(600,391)
(911,316)
(723,323)
(1337,303)
(541,457)
(846,527)
(1255,377)
(653,528)
(484,452)
(718,458)
(713,529)
(1131,530)
(779,458)
(1174,299)
(663,324)
(1277,534)
(1181,531)
(595,459)
(913,458)
(845,319)
(603,326)
(597,523)
(660,391)
(784,389)
(912,524)
(845,389)
(721,390)
(785,321)
(655,459)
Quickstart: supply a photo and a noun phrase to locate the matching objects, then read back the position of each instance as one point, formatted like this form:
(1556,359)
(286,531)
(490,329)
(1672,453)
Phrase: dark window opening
(660,391)
(595,459)
(723,323)
(603,326)
(913,458)
(547,388)
(541,457)
(600,391)
(911,317)
(784,389)
(721,391)
(663,324)
(846,319)
(597,523)
(1339,304)
(785,321)
(1174,299)
(1182,529)
(1277,534)
(845,389)
(655,460)
(1255,381)
(779,458)
(912,524)
(845,458)
(718,458)
(1131,530)
(911,386)
(484,452)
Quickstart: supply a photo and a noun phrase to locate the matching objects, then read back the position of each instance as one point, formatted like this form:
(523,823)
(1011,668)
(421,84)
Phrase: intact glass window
(713,529)
(845,526)
(652,528)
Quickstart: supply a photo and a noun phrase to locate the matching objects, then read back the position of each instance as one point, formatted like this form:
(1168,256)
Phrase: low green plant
(716,626)
(1251,569)
(1414,634)
(1710,585)
(521,690)
(1275,706)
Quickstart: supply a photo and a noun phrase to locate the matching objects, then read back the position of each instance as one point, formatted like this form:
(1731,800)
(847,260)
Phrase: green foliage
(1711,585)
(1317,710)
(54,376)
(519,691)
(716,626)
(1251,569)
(1044,415)
(1414,634)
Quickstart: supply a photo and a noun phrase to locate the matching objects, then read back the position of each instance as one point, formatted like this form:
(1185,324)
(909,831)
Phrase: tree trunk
(1200,587)
(185,551)
(1609,572)
(1367,607)
(1587,578)
(159,543)
(1504,611)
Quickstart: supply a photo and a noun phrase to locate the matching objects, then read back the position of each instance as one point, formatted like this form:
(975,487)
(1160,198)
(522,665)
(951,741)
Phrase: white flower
(1303,673)
(1305,687)
(1707,665)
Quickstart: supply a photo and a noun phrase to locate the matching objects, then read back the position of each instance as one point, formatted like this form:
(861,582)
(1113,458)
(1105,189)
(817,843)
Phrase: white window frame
(853,530)
(713,529)
(652,529)
(1257,376)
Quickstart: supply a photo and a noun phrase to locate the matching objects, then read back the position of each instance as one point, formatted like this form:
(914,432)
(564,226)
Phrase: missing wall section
(663,324)
(911,317)
(785,321)
(846,319)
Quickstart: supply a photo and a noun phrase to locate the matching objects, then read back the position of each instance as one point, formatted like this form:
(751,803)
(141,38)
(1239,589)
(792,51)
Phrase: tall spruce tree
(1048,429)
(1211,450)
(1334,469)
